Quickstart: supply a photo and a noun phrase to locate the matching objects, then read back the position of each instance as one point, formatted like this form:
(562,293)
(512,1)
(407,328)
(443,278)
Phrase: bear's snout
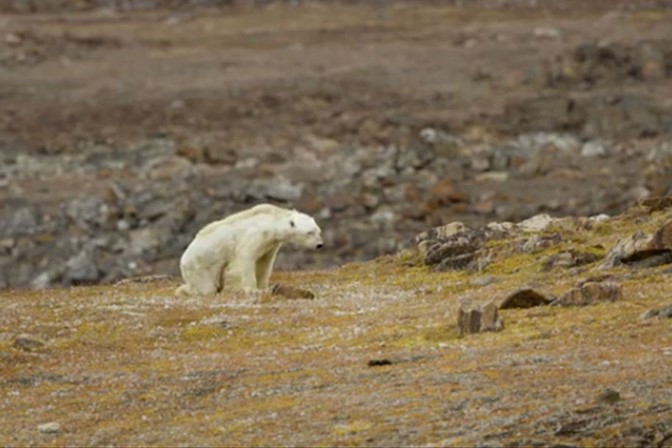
(319,245)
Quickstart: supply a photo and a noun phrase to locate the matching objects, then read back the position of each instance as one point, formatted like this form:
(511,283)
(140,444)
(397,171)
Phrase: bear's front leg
(265,266)
(241,274)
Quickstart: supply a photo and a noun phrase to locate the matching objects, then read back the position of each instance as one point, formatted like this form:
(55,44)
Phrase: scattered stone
(591,293)
(42,281)
(525,298)
(656,203)
(28,342)
(539,242)
(660,313)
(442,232)
(569,259)
(641,250)
(609,396)
(291,292)
(49,428)
(537,223)
(593,149)
(483,280)
(456,253)
(492,176)
(546,32)
(81,268)
(143,279)
(479,318)
(379,362)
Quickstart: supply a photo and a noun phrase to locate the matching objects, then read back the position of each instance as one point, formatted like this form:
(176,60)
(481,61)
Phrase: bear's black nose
(319,246)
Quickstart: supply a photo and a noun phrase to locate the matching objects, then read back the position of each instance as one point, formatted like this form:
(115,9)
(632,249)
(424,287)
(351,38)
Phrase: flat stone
(590,293)
(49,428)
(291,292)
(525,298)
(28,342)
(536,223)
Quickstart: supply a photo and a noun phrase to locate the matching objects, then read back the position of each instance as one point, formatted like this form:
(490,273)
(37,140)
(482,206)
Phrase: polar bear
(239,251)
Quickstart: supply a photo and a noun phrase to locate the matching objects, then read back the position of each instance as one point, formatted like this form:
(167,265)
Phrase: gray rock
(536,223)
(590,293)
(569,259)
(21,222)
(593,149)
(479,318)
(275,189)
(81,268)
(291,292)
(42,281)
(28,342)
(642,250)
(86,211)
(660,313)
(484,280)
(49,428)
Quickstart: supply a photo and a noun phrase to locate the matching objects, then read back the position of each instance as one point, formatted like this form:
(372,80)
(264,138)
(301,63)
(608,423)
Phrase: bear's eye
(312,232)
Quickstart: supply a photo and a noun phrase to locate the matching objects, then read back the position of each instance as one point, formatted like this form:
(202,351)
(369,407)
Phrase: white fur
(239,251)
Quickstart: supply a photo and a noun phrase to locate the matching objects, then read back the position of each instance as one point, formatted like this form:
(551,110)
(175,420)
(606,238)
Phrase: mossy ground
(134,365)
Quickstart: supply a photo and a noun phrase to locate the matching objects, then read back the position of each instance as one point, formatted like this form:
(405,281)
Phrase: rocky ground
(374,358)
(123,132)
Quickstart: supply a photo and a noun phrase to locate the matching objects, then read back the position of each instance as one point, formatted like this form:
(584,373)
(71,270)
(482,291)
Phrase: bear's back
(243,215)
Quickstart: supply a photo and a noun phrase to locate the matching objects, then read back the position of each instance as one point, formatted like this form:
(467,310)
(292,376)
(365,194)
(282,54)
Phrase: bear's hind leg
(203,282)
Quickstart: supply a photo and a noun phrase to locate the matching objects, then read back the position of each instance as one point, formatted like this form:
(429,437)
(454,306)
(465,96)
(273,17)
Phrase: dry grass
(132,364)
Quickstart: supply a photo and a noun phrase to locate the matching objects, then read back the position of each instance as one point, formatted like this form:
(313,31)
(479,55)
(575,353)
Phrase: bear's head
(304,231)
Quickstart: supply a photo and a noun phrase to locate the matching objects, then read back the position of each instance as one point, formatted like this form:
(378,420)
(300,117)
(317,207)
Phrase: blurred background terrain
(126,125)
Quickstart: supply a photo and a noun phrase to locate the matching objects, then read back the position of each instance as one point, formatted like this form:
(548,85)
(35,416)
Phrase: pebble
(49,428)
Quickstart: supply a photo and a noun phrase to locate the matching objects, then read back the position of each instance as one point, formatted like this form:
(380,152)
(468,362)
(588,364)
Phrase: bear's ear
(291,223)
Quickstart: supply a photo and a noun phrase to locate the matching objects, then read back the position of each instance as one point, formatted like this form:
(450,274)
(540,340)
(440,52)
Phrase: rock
(590,293)
(641,250)
(655,203)
(492,176)
(81,268)
(442,193)
(275,189)
(609,396)
(291,292)
(87,211)
(455,246)
(21,222)
(648,314)
(416,157)
(42,281)
(546,32)
(569,259)
(28,342)
(455,253)
(220,156)
(593,149)
(483,280)
(538,242)
(49,428)
(660,313)
(479,318)
(536,223)
(525,298)
(442,232)
(379,362)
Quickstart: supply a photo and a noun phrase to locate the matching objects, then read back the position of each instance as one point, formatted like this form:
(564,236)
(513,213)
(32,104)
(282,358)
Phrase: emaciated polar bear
(239,251)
